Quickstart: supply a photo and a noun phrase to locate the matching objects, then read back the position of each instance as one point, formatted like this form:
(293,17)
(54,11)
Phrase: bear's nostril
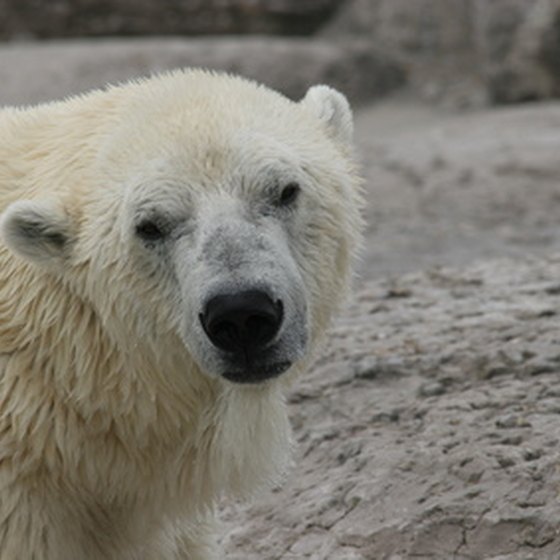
(225,335)
(242,322)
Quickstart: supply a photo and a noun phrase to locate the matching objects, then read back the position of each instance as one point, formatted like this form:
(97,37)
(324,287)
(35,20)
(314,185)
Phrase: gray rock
(431,389)
(471,472)
(526,67)
(464,51)
(84,18)
(289,65)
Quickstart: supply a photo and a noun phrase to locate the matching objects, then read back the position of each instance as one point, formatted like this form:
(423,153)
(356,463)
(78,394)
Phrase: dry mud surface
(430,426)
(452,188)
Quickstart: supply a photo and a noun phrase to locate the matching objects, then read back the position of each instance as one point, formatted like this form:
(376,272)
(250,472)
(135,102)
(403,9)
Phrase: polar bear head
(197,212)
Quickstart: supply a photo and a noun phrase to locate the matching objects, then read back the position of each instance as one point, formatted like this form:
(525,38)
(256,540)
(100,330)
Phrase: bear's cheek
(322,253)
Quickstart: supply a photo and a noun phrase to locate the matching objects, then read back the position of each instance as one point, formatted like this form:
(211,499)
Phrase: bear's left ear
(38,231)
(331,107)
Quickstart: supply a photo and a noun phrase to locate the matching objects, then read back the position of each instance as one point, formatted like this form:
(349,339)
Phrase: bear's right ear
(38,231)
(332,108)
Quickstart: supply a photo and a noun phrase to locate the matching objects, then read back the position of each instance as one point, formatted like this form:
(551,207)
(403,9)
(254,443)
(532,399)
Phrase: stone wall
(469,51)
(35,72)
(86,18)
(429,429)
(461,52)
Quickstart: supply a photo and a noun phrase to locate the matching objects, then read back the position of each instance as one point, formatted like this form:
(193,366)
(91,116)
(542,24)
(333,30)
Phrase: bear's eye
(148,230)
(289,194)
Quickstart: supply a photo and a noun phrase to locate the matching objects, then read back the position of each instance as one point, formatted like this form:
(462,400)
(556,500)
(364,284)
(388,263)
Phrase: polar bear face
(241,300)
(219,217)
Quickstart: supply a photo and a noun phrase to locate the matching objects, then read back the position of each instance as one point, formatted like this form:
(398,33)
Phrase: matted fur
(115,443)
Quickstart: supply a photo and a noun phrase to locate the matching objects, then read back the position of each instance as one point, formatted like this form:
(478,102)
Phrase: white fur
(332,108)
(118,433)
(26,225)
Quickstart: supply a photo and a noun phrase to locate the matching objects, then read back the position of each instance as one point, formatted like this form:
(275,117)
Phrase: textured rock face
(525,64)
(430,427)
(470,51)
(75,18)
(462,52)
(290,66)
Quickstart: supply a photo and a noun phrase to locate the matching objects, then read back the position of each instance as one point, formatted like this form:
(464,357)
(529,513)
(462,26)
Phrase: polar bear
(172,250)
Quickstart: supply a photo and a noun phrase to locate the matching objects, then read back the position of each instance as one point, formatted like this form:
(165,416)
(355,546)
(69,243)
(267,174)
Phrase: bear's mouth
(256,373)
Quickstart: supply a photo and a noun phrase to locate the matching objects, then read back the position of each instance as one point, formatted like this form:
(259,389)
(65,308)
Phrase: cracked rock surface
(429,428)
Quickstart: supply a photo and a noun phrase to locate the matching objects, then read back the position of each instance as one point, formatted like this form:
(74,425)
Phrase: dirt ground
(429,428)
(450,188)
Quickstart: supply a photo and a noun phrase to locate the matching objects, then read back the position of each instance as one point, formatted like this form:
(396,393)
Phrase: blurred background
(457,126)
(462,52)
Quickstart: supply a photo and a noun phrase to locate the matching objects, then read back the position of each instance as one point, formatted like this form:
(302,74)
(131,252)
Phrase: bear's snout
(243,325)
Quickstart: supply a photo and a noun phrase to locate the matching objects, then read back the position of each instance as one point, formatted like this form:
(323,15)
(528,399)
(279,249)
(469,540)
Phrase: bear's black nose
(242,322)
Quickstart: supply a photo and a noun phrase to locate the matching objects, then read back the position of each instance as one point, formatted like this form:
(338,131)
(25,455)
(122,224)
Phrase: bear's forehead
(212,156)
(214,166)
(209,135)
(209,115)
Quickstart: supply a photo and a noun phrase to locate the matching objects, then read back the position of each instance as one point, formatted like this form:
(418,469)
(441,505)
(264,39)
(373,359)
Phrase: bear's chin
(257,373)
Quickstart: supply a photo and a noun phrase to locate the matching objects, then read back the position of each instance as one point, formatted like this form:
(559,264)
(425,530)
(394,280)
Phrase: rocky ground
(429,427)
(448,187)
